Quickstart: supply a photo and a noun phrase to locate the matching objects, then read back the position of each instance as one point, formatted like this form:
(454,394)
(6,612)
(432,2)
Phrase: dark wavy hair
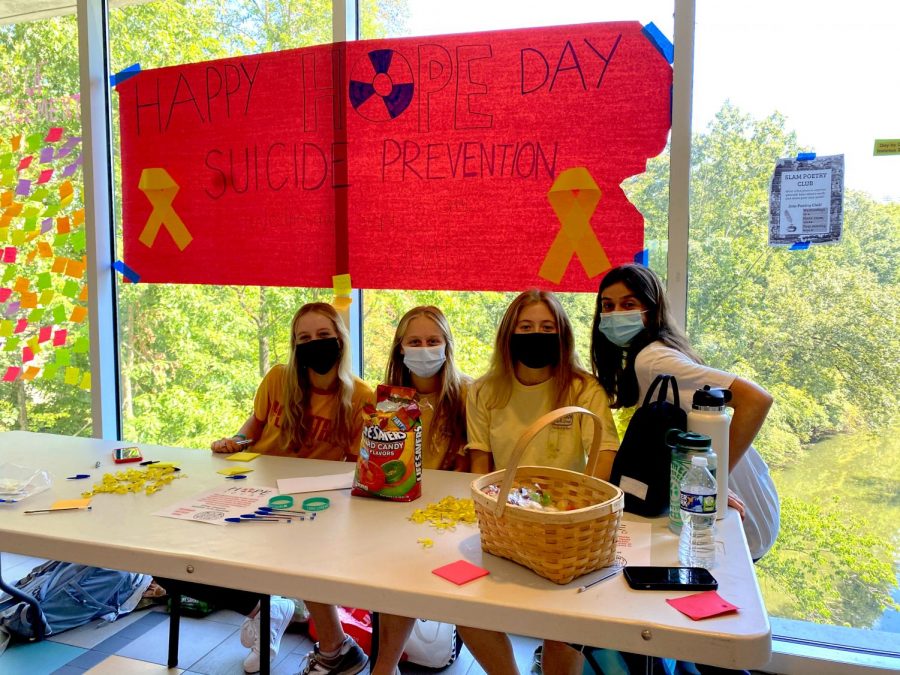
(613,366)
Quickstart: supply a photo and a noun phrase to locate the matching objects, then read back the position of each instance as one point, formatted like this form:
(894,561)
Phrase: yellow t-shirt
(267,407)
(433,453)
(564,444)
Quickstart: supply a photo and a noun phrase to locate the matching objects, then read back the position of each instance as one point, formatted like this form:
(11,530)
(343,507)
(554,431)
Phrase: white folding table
(365,553)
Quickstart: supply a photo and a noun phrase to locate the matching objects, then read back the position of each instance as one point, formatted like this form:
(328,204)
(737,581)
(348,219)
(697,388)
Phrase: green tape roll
(281,502)
(315,504)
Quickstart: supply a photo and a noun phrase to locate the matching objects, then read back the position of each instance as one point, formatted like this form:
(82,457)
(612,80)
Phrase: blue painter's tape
(805,156)
(799,246)
(126,271)
(642,258)
(125,74)
(660,41)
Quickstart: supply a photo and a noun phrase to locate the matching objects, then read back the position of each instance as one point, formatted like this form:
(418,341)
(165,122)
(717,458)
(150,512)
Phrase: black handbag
(642,464)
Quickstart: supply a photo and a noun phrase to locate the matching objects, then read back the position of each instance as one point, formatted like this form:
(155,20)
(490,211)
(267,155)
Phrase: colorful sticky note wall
(42,245)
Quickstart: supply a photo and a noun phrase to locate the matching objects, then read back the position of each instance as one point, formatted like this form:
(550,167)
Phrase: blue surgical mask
(621,327)
(424,361)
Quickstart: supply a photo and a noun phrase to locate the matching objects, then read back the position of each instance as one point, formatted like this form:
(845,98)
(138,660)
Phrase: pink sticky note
(460,572)
(9,254)
(44,333)
(53,135)
(703,605)
(27,354)
(59,338)
(4,294)
(25,162)
(45,176)
(11,374)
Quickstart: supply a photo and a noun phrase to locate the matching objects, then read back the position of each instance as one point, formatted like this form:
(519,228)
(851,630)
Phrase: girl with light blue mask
(422,357)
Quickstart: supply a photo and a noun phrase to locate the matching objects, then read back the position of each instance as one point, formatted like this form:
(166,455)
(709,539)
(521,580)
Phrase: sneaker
(282,611)
(349,661)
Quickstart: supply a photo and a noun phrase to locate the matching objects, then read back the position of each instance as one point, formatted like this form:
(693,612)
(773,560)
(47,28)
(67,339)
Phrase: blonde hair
(450,411)
(296,419)
(501,373)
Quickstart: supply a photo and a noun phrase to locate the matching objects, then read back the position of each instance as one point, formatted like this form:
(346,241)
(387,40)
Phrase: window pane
(474,317)
(193,355)
(817,328)
(44,339)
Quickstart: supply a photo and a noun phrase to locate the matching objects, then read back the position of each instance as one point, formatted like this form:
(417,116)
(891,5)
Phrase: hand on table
(226,445)
(735,502)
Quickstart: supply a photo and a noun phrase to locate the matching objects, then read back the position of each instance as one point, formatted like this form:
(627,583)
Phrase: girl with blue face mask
(635,339)
(422,357)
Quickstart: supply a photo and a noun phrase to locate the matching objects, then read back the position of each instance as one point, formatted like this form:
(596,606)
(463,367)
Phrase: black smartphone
(670,578)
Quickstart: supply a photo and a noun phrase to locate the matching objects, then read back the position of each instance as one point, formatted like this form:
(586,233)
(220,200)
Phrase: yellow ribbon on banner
(161,189)
(574,197)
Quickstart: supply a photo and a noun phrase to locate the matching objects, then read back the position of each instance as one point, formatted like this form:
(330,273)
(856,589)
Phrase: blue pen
(9,501)
(238,477)
(79,476)
(253,520)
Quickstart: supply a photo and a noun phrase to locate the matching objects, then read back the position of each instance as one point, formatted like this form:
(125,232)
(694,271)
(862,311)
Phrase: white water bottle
(697,542)
(708,417)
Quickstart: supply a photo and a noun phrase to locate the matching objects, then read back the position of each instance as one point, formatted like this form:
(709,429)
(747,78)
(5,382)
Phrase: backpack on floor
(642,464)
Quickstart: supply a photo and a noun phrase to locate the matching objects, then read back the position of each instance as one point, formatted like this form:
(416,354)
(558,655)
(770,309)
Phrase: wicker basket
(559,546)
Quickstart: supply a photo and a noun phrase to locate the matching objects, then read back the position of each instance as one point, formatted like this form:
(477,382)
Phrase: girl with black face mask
(311,407)
(534,370)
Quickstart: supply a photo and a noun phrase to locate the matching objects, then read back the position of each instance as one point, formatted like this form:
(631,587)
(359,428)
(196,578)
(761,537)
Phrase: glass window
(474,317)
(817,328)
(192,355)
(44,341)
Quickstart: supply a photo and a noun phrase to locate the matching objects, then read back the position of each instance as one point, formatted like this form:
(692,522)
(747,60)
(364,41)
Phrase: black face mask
(535,350)
(320,355)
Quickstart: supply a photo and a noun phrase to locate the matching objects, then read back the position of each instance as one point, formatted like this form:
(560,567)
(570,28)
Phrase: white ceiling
(14,11)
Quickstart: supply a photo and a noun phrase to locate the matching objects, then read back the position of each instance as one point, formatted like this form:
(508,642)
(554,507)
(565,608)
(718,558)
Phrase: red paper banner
(486,161)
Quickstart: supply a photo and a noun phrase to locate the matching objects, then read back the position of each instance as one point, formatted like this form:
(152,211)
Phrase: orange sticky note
(29,300)
(6,198)
(78,314)
(30,373)
(71,504)
(22,285)
(66,189)
(78,217)
(44,249)
(59,265)
(74,269)
(63,225)
(83,296)
(16,141)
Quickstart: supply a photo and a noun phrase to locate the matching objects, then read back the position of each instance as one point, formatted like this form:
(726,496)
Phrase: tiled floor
(137,644)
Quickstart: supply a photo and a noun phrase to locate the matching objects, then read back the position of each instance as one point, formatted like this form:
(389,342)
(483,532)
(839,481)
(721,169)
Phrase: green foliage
(830,582)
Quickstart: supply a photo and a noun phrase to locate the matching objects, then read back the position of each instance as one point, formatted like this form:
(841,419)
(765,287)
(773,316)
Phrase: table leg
(34,608)
(174,621)
(265,632)
(373,657)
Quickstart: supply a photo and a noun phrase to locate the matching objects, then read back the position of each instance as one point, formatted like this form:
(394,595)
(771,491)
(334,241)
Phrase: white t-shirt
(750,479)
(564,444)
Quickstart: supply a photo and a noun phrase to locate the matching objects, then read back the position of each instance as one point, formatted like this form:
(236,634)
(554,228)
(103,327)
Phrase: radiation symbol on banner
(381,85)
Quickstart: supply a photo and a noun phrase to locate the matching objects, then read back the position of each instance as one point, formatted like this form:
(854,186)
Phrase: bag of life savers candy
(389,464)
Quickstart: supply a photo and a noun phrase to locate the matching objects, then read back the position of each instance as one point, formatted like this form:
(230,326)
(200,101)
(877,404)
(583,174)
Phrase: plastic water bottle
(708,417)
(697,546)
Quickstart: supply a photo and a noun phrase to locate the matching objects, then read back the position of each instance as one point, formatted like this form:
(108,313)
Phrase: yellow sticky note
(72,375)
(47,296)
(85,381)
(242,456)
(234,471)
(341,303)
(341,284)
(30,373)
(71,504)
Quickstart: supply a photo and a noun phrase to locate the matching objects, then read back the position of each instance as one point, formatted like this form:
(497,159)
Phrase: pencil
(68,508)
(610,573)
